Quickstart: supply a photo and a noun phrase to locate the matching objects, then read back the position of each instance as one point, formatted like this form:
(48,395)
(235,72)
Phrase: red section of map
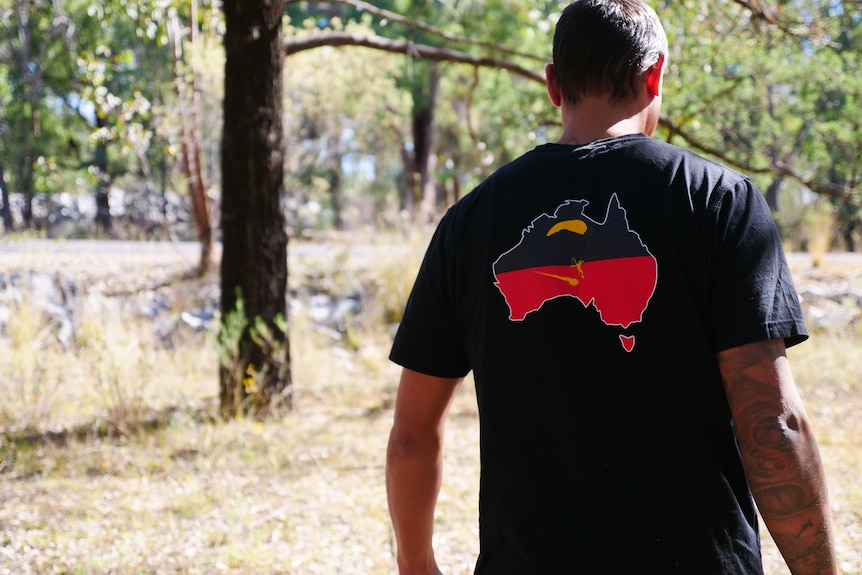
(618,288)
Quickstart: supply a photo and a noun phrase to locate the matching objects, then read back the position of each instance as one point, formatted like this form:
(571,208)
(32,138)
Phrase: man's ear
(553,88)
(654,77)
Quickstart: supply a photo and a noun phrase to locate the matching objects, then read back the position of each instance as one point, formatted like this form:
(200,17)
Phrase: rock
(54,295)
(831,305)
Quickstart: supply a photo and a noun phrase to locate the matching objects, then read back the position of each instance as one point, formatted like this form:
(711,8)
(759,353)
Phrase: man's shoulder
(686,159)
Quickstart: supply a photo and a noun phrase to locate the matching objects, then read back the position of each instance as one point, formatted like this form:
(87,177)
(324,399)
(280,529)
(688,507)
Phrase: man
(624,306)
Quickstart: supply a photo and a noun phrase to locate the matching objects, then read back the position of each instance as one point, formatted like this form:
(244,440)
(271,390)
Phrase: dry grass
(151,483)
(819,226)
(827,370)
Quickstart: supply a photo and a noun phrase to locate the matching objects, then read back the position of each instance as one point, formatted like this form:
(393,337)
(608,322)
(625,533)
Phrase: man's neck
(594,119)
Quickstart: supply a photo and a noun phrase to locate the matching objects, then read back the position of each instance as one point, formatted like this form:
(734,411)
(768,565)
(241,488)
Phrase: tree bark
(336,193)
(419,162)
(5,210)
(190,137)
(24,184)
(848,220)
(254,259)
(424,127)
(103,183)
(31,70)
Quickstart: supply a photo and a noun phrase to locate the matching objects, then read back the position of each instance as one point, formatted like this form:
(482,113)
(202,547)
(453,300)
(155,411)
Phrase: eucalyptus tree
(257,378)
(345,121)
(112,96)
(440,46)
(771,88)
(37,36)
(834,145)
(138,75)
(744,85)
(100,89)
(489,115)
(5,99)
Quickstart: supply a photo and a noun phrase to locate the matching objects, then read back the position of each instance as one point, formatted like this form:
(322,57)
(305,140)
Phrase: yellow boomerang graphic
(574,226)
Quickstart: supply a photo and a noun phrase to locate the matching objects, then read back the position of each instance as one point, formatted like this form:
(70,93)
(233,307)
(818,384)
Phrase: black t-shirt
(589,289)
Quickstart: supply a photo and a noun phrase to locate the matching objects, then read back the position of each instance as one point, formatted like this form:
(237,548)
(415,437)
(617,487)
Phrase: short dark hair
(604,46)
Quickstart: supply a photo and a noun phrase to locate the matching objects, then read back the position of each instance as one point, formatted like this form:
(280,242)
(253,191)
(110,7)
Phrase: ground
(303,494)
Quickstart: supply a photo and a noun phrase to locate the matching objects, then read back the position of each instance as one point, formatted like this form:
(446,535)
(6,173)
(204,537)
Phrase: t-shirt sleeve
(428,339)
(752,297)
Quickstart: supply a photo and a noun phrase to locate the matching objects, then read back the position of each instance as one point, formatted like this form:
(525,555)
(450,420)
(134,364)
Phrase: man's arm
(414,466)
(780,454)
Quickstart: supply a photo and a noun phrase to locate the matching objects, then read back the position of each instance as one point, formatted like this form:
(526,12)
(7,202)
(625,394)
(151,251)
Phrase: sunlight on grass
(819,225)
(827,369)
(183,493)
(116,371)
(28,383)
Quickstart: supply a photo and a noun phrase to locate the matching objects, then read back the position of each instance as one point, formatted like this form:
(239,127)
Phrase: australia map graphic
(603,264)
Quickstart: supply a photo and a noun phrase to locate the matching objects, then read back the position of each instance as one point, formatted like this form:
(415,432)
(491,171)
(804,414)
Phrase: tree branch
(759,13)
(779,168)
(395,17)
(309,42)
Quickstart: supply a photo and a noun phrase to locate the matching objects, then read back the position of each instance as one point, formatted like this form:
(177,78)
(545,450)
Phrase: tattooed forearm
(780,454)
(774,446)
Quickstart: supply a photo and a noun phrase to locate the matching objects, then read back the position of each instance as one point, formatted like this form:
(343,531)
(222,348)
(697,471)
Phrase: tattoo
(808,525)
(812,556)
(780,454)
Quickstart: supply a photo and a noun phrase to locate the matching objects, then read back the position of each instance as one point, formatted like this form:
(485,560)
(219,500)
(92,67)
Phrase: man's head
(604,47)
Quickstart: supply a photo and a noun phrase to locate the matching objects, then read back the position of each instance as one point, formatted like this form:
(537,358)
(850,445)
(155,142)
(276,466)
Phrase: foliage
(94,103)
(233,359)
(772,91)
(745,85)
(772,88)
(231,329)
(342,137)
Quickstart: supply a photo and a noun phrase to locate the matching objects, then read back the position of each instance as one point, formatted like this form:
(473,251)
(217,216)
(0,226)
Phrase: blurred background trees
(91,114)
(110,118)
(129,120)
(772,88)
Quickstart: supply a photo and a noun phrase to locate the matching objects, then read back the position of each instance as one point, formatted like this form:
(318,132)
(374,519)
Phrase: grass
(112,462)
(819,225)
(827,370)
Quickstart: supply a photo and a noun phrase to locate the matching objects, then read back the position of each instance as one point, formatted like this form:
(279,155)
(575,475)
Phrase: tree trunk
(5,210)
(418,162)
(850,222)
(772,193)
(31,58)
(336,193)
(103,184)
(848,218)
(24,185)
(406,189)
(254,259)
(190,138)
(425,102)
